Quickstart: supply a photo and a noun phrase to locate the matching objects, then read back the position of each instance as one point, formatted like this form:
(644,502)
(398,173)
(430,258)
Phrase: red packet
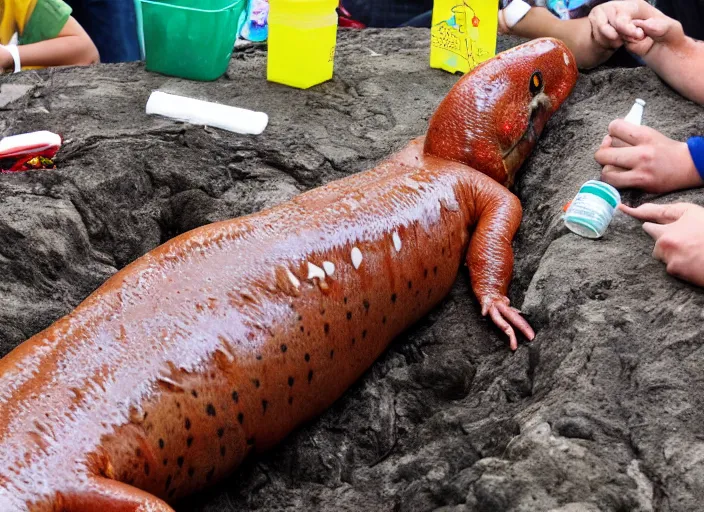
(34,150)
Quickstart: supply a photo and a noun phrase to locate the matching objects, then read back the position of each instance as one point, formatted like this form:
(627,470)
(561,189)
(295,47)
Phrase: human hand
(649,161)
(612,23)
(678,231)
(660,29)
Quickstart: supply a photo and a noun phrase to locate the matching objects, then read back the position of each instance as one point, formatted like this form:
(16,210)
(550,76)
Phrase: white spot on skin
(294,280)
(397,241)
(315,271)
(567,58)
(329,267)
(356,257)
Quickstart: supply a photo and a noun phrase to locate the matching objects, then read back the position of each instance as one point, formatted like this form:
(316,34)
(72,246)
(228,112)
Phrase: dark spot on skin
(189,441)
(332,353)
(210,474)
(191,472)
(430,292)
(264,406)
(178,405)
(290,381)
(410,284)
(172,492)
(310,376)
(256,383)
(168,483)
(302,328)
(235,396)
(326,327)
(300,317)
(138,452)
(349,315)
(221,432)
(161,444)
(322,311)
(290,400)
(364,333)
(222,451)
(435,270)
(443,251)
(240,418)
(210,410)
(166,462)
(417,293)
(194,393)
(250,441)
(383,320)
(307,357)
(284,348)
(345,300)
(146,468)
(179,461)
(308,333)
(354,340)
(259,357)
(393,298)
(188,424)
(425,272)
(366,304)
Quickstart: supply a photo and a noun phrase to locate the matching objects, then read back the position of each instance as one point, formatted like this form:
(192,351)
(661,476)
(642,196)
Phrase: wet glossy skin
(221,341)
(488,123)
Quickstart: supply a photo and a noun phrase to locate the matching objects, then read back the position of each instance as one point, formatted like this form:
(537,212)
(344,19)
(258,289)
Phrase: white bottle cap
(635,116)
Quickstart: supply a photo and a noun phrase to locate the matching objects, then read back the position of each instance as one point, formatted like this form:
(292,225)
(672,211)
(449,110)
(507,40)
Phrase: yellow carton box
(463,33)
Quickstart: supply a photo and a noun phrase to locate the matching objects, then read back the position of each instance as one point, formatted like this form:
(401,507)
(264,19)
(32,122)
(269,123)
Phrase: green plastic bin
(187,41)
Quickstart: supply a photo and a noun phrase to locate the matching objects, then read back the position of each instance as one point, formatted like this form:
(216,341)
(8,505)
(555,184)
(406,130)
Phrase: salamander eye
(536,83)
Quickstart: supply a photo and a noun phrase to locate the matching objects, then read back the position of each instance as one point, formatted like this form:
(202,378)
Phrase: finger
(654,230)
(653,27)
(625,27)
(514,317)
(605,142)
(631,133)
(504,326)
(622,178)
(602,31)
(660,213)
(618,143)
(627,157)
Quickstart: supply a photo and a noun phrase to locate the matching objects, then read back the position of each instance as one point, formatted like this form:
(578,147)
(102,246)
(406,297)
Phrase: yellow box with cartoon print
(463,34)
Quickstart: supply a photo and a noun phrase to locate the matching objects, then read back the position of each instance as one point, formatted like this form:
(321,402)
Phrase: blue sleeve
(696,149)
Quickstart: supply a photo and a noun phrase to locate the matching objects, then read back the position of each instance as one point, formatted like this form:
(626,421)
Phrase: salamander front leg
(105,495)
(490,256)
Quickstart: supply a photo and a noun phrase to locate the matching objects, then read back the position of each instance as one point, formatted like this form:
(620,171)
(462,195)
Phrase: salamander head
(492,117)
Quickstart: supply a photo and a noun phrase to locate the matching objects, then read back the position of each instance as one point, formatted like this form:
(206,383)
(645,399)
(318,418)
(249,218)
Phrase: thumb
(653,27)
(654,230)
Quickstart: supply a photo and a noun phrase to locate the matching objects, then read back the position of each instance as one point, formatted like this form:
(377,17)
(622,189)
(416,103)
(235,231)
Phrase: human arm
(51,37)
(649,161)
(576,34)
(678,231)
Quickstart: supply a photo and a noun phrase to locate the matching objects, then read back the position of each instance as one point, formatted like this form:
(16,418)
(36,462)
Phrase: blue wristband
(696,149)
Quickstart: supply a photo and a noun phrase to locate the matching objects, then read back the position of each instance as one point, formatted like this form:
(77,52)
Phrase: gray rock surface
(602,412)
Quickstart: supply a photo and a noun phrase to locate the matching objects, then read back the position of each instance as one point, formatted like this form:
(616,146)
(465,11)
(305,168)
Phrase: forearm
(72,47)
(681,66)
(576,34)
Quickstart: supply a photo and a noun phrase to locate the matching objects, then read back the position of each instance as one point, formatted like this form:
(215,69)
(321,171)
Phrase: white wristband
(12,48)
(514,12)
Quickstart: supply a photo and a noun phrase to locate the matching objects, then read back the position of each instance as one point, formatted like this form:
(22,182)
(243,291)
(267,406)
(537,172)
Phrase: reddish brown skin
(478,124)
(205,349)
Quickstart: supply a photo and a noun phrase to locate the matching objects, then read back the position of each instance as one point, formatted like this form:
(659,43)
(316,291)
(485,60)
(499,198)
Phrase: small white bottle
(634,116)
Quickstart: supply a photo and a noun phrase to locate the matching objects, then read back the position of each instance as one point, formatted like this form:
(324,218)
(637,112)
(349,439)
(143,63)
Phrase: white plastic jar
(592,209)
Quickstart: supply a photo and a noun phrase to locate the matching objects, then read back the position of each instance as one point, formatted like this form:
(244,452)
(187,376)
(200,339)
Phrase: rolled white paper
(181,108)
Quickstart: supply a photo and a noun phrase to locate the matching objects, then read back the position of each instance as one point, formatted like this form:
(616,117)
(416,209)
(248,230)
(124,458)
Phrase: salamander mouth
(512,157)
